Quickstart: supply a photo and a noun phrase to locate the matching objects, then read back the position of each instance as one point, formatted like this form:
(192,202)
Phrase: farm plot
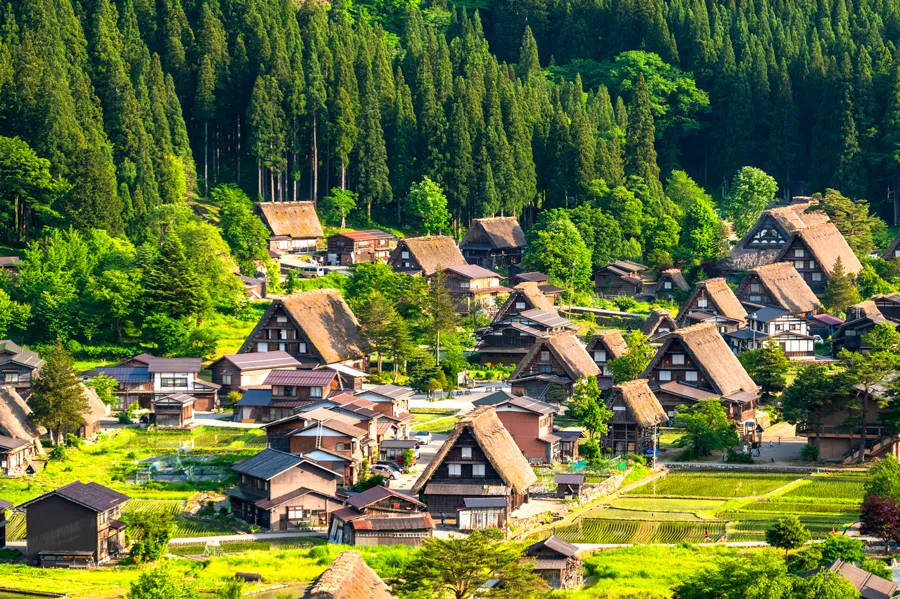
(713,485)
(668,504)
(829,489)
(602,531)
(613,513)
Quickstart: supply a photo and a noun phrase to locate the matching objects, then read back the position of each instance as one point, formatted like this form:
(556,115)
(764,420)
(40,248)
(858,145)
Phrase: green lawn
(434,420)
(232,329)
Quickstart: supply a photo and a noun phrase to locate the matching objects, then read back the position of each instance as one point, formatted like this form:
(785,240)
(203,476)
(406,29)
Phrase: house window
(342,447)
(671,413)
(545,369)
(455,469)
(665,375)
(404,255)
(678,359)
(466,453)
(173,381)
(477,469)
(295,513)
(545,355)
(243,479)
(600,356)
(283,334)
(817,277)
(896,253)
(10,376)
(754,287)
(701,303)
(618,408)
(260,484)
(226,378)
(281,319)
(301,347)
(798,264)
(799,253)
(755,298)
(812,263)
(520,305)
(262,347)
(315,391)
(690,376)
(667,285)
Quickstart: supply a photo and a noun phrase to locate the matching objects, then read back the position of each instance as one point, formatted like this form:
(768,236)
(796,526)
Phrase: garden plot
(177,468)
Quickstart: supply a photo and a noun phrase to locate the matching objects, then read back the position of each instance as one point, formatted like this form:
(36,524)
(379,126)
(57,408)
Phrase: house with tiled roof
(239,372)
(557,562)
(474,288)
(381,516)
(18,365)
(556,360)
(496,242)
(620,278)
(862,318)
(359,247)
(530,422)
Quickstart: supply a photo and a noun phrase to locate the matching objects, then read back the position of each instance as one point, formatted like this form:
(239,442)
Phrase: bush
(589,450)
(59,453)
(74,441)
(809,453)
(738,457)
(373,481)
(633,458)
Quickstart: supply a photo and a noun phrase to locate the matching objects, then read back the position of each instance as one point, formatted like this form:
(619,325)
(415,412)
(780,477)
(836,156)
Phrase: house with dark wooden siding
(779,285)
(658,324)
(862,318)
(359,247)
(424,256)
(280,491)
(774,229)
(637,416)
(774,325)
(381,516)
(815,252)
(695,363)
(892,251)
(556,561)
(669,284)
(479,459)
(888,305)
(239,372)
(18,365)
(295,226)
(621,278)
(604,347)
(496,242)
(76,526)
(558,359)
(173,411)
(473,288)
(348,577)
(713,301)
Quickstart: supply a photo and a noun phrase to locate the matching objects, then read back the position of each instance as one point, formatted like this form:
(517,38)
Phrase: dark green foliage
(787,534)
(149,534)
(58,401)
(767,366)
(707,428)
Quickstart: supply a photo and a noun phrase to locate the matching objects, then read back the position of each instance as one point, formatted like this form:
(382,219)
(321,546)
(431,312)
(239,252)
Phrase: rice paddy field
(691,507)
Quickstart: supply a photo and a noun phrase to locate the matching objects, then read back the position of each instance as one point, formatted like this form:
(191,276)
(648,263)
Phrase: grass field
(434,420)
(714,484)
(603,531)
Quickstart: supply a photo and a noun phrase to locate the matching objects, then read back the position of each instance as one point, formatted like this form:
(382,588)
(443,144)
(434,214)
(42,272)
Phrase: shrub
(59,453)
(809,453)
(738,457)
(589,450)
(633,458)
(74,441)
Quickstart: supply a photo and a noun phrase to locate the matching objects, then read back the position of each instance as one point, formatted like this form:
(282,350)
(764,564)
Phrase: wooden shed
(557,563)
(479,513)
(173,411)
(569,485)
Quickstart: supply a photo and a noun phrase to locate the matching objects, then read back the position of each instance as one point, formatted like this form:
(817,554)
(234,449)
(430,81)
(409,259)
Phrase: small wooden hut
(557,563)
(569,485)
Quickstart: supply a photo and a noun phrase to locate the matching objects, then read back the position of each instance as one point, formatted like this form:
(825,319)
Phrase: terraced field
(714,484)
(601,531)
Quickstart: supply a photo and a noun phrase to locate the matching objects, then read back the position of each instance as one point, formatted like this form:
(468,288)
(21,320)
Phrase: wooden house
(336,443)
(888,305)
(658,324)
(779,285)
(359,247)
(280,491)
(892,251)
(21,438)
(173,411)
(381,516)
(868,585)
(295,226)
(317,328)
(182,376)
(530,422)
(621,278)
(774,229)
(241,371)
(18,365)
(387,425)
(695,363)
(76,526)
(473,288)
(255,288)
(670,284)
(637,416)
(862,318)
(557,563)
(569,485)
(824,325)
(480,513)
(348,577)
(771,324)
(713,301)
(97,410)
(393,449)
(497,242)
(424,256)
(479,459)
(604,347)
(552,292)
(392,400)
(815,252)
(558,359)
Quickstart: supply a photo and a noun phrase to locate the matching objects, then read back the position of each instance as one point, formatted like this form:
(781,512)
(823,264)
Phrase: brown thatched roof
(96,408)
(893,246)
(432,252)
(657,317)
(293,219)
(15,418)
(500,232)
(496,443)
(325,319)
(789,219)
(713,357)
(349,577)
(566,348)
(864,309)
(722,299)
(827,245)
(611,340)
(641,401)
(677,278)
(785,285)
(532,291)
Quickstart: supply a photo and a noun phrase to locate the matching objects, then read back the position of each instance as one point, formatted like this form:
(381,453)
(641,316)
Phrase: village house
(76,526)
(558,360)
(669,284)
(387,426)
(10,265)
(552,292)
(239,372)
(892,251)
(824,325)
(426,255)
(530,422)
(144,378)
(20,438)
(359,247)
(280,491)
(569,485)
(695,363)
(621,278)
(777,325)
(392,400)
(868,585)
(479,459)
(473,288)
(348,577)
(888,305)
(173,411)
(604,347)
(556,561)
(285,392)
(346,445)
(497,242)
(658,324)
(18,365)
(254,288)
(713,301)
(779,285)
(97,410)
(862,318)
(773,230)
(317,328)
(395,449)
(480,513)
(381,516)
(295,226)
(815,252)
(637,416)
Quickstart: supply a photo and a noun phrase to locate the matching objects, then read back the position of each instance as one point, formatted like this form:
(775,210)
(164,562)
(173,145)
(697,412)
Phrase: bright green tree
(637,356)
(160,583)
(440,309)
(706,428)
(767,366)
(788,533)
(751,191)
(339,203)
(589,409)
(58,402)
(428,205)
(556,249)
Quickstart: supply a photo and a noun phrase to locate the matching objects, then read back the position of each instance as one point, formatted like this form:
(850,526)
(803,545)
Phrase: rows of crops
(668,504)
(829,489)
(714,484)
(603,531)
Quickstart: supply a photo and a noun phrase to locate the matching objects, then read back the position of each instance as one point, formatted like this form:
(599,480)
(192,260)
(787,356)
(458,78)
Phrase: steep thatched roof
(349,577)
(784,285)
(500,232)
(96,408)
(657,317)
(15,418)
(325,319)
(496,443)
(536,297)
(789,219)
(827,245)
(293,219)
(893,246)
(566,348)
(713,357)
(641,401)
(609,339)
(675,275)
(722,300)
(433,251)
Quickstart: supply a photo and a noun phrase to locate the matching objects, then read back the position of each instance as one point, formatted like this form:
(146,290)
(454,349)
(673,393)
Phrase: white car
(423,438)
(386,472)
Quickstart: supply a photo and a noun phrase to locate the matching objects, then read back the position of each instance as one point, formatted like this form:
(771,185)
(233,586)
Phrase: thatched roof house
(533,297)
(712,298)
(15,419)
(348,577)
(826,246)
(640,402)
(892,251)
(559,359)
(295,220)
(779,284)
(425,255)
(773,230)
(637,415)
(494,242)
(604,347)
(658,324)
(669,282)
(97,410)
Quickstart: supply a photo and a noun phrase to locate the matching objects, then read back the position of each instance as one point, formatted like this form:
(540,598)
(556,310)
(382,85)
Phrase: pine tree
(840,292)
(58,401)
(374,184)
(172,286)
(441,310)
(640,152)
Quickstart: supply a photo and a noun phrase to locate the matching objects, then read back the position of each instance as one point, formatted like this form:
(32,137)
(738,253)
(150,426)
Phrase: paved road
(426,454)
(211,419)
(260,536)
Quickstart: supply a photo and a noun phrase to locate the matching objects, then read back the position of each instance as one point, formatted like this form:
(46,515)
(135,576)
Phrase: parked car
(385,471)
(423,438)
(392,465)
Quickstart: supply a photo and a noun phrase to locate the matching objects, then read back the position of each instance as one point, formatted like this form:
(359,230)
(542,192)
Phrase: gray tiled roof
(267,464)
(175,365)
